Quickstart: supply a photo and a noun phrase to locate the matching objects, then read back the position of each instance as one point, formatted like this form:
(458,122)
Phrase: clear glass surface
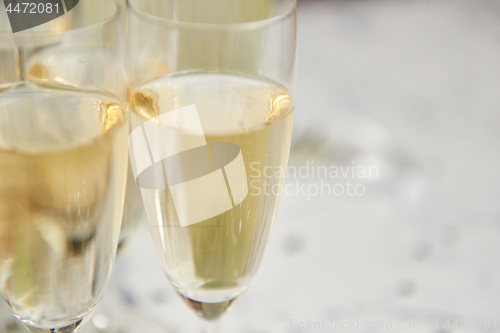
(63,161)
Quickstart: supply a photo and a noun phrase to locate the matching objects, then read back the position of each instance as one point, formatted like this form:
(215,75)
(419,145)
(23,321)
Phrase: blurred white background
(413,89)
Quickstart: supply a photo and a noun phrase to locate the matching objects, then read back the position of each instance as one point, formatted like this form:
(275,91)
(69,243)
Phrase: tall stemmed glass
(212,107)
(83,65)
(63,165)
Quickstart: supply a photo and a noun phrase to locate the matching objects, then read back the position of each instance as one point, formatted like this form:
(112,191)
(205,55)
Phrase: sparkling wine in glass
(63,160)
(63,163)
(211,117)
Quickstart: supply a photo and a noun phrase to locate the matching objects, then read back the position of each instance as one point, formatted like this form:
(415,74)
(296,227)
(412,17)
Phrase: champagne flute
(82,64)
(63,167)
(212,107)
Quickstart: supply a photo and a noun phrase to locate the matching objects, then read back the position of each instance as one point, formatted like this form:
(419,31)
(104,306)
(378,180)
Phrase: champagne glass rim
(11,86)
(76,31)
(250,25)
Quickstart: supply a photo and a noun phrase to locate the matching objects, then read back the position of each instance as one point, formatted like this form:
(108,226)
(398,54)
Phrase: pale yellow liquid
(83,66)
(63,163)
(211,263)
